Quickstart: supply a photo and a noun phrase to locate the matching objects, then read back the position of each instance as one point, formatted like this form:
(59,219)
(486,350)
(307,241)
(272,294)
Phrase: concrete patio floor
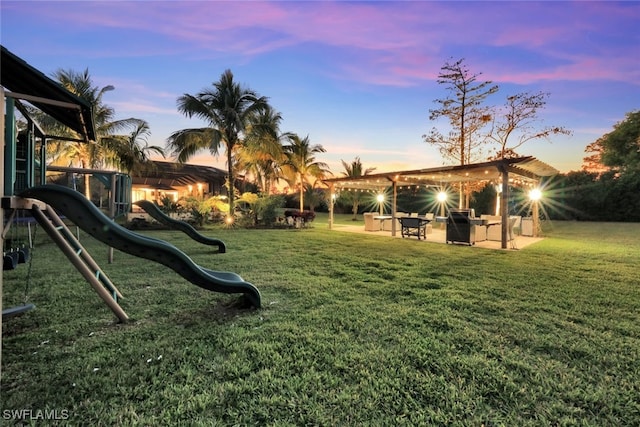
(438,235)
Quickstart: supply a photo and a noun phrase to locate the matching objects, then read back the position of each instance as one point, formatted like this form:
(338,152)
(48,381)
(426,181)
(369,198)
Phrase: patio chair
(430,216)
(495,231)
(481,233)
(413,226)
(370,223)
(516,225)
(513,220)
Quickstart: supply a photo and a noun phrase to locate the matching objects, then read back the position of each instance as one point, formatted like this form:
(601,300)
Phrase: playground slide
(89,218)
(153,210)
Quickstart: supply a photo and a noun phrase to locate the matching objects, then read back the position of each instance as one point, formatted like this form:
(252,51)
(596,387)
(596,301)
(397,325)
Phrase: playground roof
(29,84)
(524,169)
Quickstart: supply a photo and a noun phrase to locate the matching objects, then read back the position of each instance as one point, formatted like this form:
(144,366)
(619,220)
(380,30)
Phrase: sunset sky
(357,77)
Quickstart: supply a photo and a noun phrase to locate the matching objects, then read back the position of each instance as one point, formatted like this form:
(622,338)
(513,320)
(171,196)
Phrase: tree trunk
(230,187)
(87,188)
(301,193)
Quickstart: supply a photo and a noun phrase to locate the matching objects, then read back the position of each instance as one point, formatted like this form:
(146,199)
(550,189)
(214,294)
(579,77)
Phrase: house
(176,181)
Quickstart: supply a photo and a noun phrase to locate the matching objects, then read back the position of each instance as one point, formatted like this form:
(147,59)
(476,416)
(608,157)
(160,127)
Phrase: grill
(460,226)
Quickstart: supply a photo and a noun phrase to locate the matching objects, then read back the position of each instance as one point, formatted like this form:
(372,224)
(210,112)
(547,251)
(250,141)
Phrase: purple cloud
(380,43)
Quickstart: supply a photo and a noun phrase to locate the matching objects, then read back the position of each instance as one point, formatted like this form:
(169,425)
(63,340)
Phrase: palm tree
(262,153)
(227,108)
(108,146)
(355,170)
(313,195)
(134,150)
(301,163)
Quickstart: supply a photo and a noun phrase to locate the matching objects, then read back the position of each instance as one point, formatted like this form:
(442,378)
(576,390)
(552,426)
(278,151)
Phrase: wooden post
(331,202)
(43,161)
(394,209)
(536,218)
(2,98)
(504,208)
(9,146)
(112,210)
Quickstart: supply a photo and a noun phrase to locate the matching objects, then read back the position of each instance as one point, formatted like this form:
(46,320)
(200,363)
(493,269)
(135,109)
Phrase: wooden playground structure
(23,183)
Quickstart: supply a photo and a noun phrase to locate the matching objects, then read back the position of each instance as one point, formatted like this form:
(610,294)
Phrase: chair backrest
(513,220)
(429,216)
(411,221)
(414,214)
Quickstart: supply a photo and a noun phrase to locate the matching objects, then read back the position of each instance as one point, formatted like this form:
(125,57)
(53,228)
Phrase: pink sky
(357,77)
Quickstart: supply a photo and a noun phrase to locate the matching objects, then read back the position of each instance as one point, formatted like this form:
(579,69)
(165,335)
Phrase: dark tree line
(608,187)
(587,196)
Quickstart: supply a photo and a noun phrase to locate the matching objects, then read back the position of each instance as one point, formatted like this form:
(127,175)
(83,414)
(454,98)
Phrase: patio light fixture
(535,194)
(380,199)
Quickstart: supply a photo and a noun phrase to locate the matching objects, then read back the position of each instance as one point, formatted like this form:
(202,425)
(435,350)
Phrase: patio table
(382,219)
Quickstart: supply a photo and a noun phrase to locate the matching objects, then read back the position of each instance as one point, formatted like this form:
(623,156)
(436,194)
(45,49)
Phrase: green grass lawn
(354,330)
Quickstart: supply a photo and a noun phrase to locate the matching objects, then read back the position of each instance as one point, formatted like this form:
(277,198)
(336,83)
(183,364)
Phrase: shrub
(266,209)
(168,205)
(307,216)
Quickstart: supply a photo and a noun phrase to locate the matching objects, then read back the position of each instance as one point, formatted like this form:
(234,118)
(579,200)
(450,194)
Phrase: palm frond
(187,142)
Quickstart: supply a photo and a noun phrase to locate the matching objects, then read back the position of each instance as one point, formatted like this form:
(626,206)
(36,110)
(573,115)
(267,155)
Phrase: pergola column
(503,168)
(394,202)
(332,195)
(2,127)
(504,207)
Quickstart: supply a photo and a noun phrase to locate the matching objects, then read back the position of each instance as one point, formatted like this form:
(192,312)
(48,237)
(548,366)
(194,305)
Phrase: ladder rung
(107,286)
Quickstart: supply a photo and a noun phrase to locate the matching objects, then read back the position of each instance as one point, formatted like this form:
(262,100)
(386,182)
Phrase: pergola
(520,171)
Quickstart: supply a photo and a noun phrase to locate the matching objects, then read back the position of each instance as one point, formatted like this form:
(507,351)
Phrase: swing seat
(10,261)
(17,310)
(23,255)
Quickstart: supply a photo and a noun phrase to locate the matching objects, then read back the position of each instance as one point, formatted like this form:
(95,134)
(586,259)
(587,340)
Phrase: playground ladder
(74,251)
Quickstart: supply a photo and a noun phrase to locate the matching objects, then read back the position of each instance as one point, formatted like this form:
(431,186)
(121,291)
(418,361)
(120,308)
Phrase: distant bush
(168,205)
(266,209)
(307,216)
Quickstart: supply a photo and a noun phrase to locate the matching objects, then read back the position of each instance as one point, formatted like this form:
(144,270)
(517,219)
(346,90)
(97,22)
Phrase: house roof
(525,169)
(27,83)
(166,175)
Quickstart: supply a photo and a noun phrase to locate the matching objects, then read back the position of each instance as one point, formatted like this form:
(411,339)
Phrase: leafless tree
(517,123)
(464,109)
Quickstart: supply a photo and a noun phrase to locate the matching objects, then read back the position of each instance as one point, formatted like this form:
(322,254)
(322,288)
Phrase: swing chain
(27,285)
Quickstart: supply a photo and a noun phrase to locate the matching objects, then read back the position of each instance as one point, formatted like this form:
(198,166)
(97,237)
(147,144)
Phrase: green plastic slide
(90,219)
(155,212)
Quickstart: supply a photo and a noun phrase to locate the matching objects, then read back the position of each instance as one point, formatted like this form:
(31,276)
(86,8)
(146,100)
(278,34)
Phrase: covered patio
(526,172)
(438,236)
